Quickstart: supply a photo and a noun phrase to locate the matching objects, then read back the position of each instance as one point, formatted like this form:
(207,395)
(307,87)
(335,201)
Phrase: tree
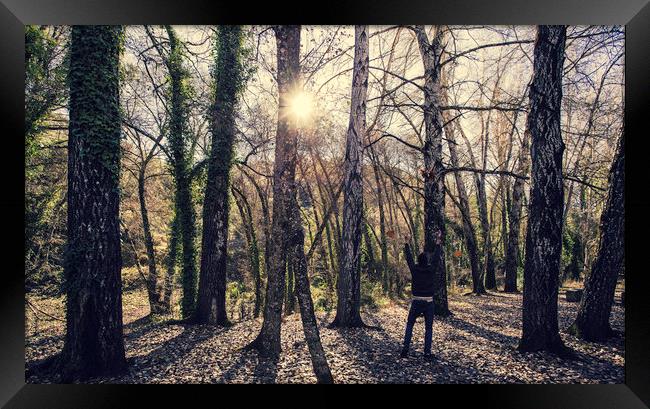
(592,322)
(228,75)
(544,232)
(287,241)
(512,250)
(434,189)
(94,343)
(170,262)
(178,101)
(469,232)
(246,215)
(46,50)
(141,161)
(284,168)
(349,280)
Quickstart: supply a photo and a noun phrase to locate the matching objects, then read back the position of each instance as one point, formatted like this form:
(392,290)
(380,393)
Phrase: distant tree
(592,322)
(544,233)
(349,280)
(514,218)
(140,162)
(469,232)
(94,343)
(246,214)
(229,80)
(46,52)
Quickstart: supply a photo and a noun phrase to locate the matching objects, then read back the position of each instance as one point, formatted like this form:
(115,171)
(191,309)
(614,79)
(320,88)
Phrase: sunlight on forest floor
(477,344)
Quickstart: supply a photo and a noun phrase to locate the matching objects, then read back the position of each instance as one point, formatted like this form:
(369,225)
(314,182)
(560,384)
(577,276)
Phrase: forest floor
(477,344)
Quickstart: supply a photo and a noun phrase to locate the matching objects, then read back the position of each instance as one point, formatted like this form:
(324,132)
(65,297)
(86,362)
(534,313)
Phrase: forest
(238,204)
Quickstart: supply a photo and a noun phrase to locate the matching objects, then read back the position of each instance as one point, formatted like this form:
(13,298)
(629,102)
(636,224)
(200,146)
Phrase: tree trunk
(284,169)
(290,294)
(181,169)
(434,189)
(172,255)
(349,280)
(211,301)
(94,343)
(592,322)
(488,254)
(512,252)
(152,277)
(544,233)
(310,326)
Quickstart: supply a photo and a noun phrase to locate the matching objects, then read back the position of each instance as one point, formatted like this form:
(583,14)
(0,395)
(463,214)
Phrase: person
(422,288)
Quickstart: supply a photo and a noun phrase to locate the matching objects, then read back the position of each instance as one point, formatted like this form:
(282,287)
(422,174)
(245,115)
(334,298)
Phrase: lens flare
(301,106)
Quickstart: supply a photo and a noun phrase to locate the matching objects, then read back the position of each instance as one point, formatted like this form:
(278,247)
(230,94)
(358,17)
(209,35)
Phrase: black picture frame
(635,14)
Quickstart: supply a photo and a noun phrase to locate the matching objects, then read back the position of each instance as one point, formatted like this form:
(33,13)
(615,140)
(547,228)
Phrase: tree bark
(211,301)
(349,281)
(310,327)
(290,293)
(512,251)
(284,169)
(592,322)
(94,343)
(544,233)
(434,189)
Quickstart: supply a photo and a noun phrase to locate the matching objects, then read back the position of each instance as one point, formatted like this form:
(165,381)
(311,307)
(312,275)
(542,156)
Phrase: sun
(301,106)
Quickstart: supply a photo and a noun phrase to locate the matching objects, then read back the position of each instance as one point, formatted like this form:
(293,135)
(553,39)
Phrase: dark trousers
(417,309)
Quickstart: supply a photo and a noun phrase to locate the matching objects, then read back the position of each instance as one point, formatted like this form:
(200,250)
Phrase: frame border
(635,14)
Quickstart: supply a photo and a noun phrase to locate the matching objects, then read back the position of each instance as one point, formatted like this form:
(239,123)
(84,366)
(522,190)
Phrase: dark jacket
(422,278)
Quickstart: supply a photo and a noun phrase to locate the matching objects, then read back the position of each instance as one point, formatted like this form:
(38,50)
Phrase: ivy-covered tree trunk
(284,170)
(211,302)
(434,189)
(155,304)
(94,343)
(349,281)
(181,171)
(592,322)
(172,255)
(544,233)
(512,250)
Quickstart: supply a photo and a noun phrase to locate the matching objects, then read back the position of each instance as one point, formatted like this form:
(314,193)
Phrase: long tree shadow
(266,370)
(168,355)
(245,360)
(480,331)
(378,353)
